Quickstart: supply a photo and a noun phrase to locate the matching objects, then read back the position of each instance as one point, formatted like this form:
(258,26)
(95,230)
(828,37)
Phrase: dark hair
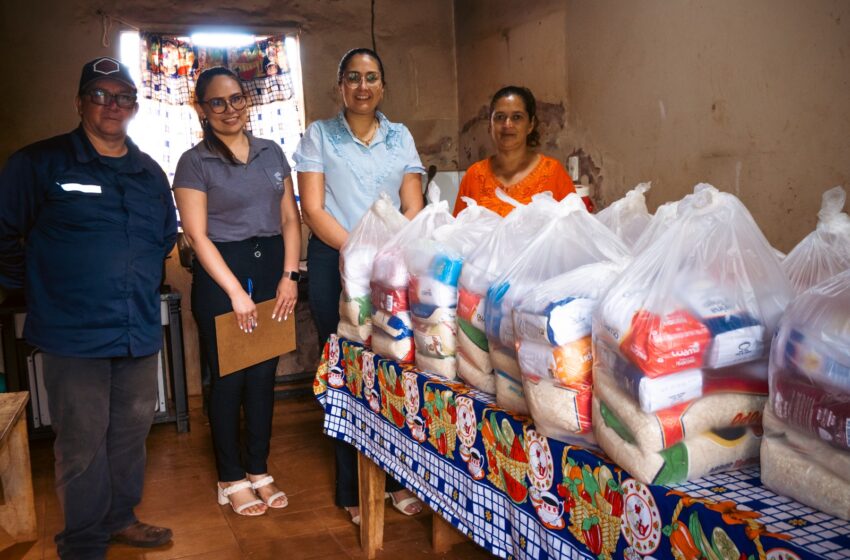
(211,141)
(533,138)
(346,58)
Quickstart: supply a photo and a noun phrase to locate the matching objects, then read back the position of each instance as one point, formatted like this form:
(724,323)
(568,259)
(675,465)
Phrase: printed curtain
(169,67)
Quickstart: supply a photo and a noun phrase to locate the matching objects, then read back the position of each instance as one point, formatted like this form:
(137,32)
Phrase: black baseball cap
(105,67)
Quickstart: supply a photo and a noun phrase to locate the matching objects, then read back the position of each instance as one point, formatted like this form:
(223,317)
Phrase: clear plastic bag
(826,251)
(573,238)
(484,264)
(810,363)
(552,326)
(628,217)
(805,453)
(391,278)
(706,295)
(380,223)
(434,264)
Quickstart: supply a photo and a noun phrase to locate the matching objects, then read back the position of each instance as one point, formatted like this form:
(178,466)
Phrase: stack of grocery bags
(571,239)
(805,453)
(628,216)
(680,345)
(480,269)
(434,264)
(826,251)
(376,227)
(392,320)
(552,327)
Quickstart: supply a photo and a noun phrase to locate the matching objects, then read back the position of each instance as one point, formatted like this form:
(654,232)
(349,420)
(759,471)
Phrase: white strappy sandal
(225,493)
(265,481)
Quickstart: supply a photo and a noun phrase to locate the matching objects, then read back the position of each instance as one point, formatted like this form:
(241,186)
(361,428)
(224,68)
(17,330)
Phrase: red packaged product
(669,344)
(392,301)
(818,410)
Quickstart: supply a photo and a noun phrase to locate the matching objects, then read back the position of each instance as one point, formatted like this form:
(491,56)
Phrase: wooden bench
(17,505)
(371,480)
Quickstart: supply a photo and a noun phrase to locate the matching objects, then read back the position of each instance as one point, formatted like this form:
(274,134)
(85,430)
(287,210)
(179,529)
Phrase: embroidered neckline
(532,176)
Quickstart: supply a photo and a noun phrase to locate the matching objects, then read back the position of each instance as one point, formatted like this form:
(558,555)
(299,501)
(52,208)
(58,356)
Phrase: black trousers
(250,390)
(325,287)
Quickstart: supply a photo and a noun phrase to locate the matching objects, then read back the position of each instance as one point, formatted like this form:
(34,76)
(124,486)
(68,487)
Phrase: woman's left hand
(287,295)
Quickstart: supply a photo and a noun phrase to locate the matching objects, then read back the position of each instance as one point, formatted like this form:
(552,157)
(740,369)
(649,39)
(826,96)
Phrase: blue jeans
(101,410)
(325,286)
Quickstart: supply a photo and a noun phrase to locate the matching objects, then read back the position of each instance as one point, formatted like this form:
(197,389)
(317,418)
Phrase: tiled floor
(180,493)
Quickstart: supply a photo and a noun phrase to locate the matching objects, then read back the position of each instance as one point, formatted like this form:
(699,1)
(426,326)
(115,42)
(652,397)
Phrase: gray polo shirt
(243,200)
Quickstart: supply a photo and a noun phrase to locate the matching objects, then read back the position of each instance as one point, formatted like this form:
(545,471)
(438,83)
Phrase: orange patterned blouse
(480,184)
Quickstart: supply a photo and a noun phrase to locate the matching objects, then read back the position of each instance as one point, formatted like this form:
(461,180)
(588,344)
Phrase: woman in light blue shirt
(343,164)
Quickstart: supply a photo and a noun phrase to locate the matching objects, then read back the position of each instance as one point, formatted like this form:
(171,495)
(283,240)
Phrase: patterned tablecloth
(521,495)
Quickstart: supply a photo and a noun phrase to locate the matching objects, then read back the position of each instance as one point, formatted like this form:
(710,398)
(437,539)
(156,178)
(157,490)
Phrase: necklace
(372,130)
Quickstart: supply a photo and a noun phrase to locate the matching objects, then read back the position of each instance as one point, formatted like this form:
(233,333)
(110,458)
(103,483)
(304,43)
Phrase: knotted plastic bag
(826,251)
(806,448)
(480,269)
(357,254)
(390,281)
(700,302)
(573,238)
(628,217)
(552,327)
(434,264)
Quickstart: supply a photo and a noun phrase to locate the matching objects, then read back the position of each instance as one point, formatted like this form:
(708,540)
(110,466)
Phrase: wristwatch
(293,275)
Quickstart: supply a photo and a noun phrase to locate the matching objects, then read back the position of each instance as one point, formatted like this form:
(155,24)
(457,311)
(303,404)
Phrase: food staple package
(628,217)
(379,224)
(809,406)
(392,313)
(552,326)
(681,339)
(434,265)
(826,251)
(572,239)
(492,257)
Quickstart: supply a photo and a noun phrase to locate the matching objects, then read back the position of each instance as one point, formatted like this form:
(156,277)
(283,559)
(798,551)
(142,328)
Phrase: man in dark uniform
(86,220)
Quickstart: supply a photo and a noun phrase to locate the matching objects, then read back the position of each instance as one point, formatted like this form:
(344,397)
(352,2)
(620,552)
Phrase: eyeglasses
(353,79)
(219,104)
(103,97)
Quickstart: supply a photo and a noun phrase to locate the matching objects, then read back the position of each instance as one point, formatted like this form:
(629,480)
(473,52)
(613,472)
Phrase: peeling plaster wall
(750,96)
(46,42)
(502,43)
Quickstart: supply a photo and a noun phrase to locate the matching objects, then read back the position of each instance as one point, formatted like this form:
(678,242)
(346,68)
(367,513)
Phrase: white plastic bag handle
(832,203)
(507,199)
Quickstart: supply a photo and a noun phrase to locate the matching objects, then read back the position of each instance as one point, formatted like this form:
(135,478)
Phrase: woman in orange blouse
(515,168)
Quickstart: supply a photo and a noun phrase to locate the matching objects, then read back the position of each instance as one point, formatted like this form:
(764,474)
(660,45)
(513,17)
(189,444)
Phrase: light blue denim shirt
(355,174)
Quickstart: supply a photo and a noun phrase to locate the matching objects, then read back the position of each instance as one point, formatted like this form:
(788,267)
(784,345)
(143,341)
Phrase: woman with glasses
(515,168)
(237,206)
(343,164)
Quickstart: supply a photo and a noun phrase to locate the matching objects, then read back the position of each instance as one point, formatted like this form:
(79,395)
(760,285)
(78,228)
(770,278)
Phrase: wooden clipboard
(269,339)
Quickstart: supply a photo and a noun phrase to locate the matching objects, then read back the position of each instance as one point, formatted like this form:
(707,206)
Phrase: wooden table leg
(371,480)
(17,512)
(443,534)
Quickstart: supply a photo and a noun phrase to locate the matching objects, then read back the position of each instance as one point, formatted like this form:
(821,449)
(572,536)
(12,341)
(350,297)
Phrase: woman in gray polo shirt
(235,197)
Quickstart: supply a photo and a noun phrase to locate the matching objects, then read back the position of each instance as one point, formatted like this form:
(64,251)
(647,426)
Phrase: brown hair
(211,141)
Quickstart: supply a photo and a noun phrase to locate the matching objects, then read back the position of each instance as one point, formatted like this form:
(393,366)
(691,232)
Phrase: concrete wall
(750,96)
(46,42)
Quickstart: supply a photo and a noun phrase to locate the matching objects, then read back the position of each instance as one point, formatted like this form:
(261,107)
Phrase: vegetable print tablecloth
(521,495)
